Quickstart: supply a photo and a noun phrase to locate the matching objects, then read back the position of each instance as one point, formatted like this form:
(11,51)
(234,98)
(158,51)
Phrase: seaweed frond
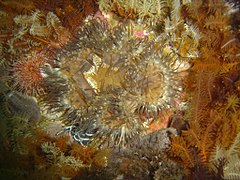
(105,5)
(90,155)
(57,157)
(19,6)
(234,147)
(227,160)
(233,103)
(17,129)
(217,21)
(182,150)
(232,169)
(202,95)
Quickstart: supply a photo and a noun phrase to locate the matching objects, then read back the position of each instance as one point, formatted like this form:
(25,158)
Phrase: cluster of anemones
(109,84)
(118,83)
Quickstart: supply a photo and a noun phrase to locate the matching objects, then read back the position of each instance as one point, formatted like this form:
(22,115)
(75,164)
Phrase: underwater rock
(168,170)
(157,141)
(22,104)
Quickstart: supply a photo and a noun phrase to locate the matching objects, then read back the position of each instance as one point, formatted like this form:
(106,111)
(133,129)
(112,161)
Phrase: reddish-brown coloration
(26,74)
(209,119)
(211,90)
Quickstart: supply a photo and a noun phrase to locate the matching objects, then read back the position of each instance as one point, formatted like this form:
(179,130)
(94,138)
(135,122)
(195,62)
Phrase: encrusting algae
(115,89)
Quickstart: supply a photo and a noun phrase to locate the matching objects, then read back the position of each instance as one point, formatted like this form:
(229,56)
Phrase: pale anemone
(118,83)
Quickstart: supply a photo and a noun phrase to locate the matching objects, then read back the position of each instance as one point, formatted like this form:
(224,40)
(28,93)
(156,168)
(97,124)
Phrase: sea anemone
(116,122)
(150,11)
(118,83)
